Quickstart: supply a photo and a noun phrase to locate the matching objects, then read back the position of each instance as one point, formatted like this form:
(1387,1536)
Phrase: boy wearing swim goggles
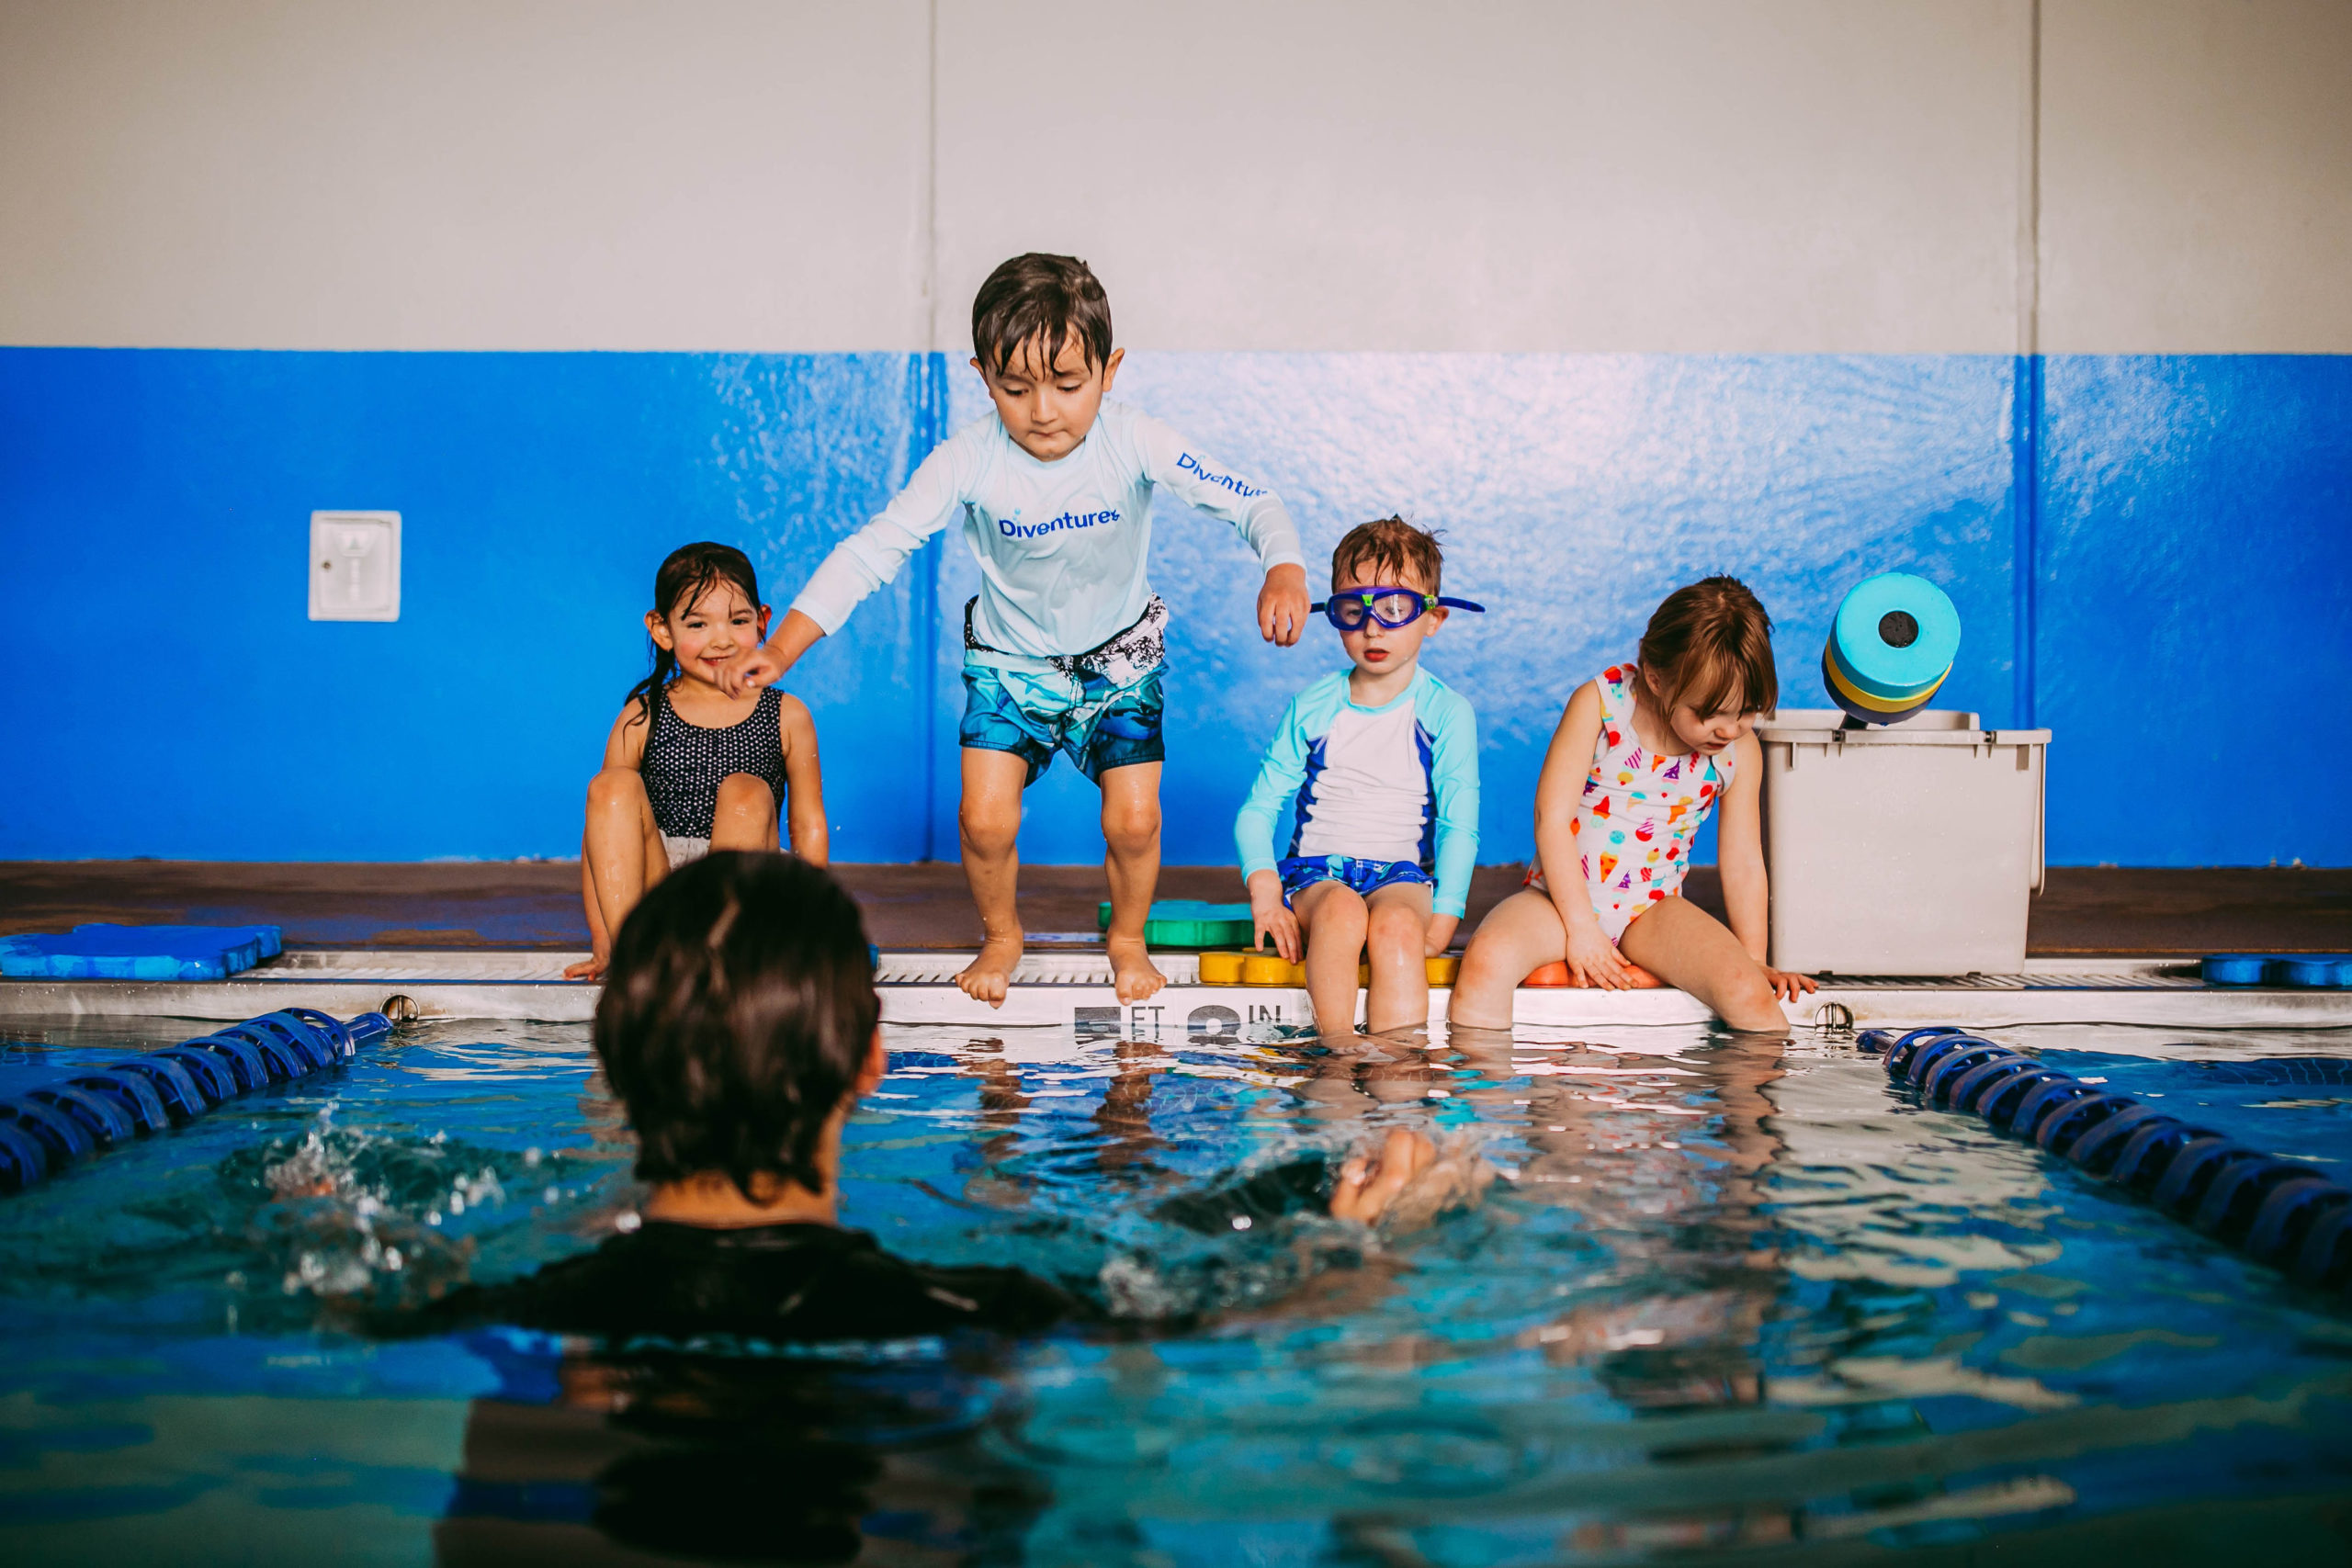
(1382,758)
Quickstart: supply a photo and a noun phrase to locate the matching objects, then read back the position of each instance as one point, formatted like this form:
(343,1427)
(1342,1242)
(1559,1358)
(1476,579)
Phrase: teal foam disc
(1881,668)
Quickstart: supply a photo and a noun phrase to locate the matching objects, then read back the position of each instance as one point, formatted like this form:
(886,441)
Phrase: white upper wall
(1559,174)
(464,173)
(1716,175)
(2197,176)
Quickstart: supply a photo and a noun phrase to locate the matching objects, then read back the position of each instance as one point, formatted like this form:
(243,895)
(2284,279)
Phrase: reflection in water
(770,1456)
(1655,1159)
(652,1456)
(1671,1294)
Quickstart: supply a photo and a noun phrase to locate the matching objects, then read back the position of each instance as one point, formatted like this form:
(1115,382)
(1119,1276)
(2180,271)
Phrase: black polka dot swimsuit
(684,763)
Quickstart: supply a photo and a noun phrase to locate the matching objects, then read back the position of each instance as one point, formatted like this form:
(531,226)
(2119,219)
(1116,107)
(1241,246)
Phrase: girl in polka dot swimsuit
(1643,755)
(687,768)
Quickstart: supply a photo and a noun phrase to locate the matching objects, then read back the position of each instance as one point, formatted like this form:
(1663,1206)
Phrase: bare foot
(1132,970)
(589,968)
(986,978)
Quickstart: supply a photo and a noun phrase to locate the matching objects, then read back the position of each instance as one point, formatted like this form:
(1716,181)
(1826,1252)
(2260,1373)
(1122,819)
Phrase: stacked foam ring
(73,1115)
(2280,1211)
(1891,648)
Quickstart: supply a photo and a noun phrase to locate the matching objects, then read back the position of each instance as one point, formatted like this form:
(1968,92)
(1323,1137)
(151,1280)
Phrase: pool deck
(490,939)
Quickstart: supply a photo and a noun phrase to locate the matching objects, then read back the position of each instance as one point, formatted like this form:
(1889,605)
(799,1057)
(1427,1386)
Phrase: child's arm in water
(1367,1187)
(1592,958)
(804,816)
(1739,854)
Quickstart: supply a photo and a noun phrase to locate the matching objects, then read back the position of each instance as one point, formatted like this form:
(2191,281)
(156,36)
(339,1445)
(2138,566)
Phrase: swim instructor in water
(739,1028)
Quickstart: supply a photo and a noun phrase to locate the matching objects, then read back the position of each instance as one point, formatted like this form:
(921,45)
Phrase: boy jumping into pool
(1064,646)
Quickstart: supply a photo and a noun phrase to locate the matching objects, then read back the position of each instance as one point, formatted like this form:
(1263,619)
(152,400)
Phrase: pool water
(1677,1296)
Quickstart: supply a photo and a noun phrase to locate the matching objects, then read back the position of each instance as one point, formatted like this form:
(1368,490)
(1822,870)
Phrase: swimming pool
(1716,1298)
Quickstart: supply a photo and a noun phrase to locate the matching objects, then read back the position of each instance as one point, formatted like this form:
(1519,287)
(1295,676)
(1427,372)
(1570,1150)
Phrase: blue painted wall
(2193,638)
(2188,522)
(172,698)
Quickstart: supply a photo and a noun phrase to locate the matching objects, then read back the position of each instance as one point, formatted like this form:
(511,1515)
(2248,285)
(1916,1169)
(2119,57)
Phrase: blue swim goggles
(1392,608)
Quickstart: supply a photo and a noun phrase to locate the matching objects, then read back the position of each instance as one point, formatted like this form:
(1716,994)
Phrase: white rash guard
(1394,782)
(1062,545)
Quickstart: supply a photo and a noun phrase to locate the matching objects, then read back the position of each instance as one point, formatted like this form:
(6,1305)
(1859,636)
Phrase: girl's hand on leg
(1786,986)
(1594,960)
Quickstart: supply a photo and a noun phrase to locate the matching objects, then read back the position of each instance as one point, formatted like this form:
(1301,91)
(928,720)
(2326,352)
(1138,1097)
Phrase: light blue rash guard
(1062,545)
(1398,782)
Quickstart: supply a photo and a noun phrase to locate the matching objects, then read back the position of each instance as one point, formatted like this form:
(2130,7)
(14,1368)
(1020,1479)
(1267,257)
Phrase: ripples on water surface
(1716,1299)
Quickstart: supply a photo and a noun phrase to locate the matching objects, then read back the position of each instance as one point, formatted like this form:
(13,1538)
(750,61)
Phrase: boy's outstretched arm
(857,565)
(1282,604)
(1199,480)
(766,664)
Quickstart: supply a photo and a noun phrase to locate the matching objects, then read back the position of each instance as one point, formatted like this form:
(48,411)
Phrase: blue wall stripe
(2148,553)
(927,428)
(2025,493)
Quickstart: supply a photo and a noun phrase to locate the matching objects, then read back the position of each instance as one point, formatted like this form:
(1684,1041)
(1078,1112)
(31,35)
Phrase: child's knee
(1131,827)
(986,827)
(1392,928)
(616,786)
(745,794)
(1749,1001)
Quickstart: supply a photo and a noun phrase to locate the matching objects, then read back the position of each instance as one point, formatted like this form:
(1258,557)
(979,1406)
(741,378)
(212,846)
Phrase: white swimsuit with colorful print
(1639,812)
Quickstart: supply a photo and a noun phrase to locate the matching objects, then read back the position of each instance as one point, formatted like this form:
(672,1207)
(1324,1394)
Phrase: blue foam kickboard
(270,940)
(2310,971)
(137,953)
(2321,971)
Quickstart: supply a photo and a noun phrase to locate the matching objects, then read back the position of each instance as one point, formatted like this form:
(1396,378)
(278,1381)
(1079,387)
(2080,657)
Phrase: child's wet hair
(1390,547)
(1710,645)
(1050,300)
(685,575)
(737,1011)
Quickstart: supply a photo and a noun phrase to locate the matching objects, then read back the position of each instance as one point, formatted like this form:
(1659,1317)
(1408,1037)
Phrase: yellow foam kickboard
(1273,969)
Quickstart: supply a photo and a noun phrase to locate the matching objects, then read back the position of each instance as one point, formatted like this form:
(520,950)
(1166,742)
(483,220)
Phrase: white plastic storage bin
(1910,849)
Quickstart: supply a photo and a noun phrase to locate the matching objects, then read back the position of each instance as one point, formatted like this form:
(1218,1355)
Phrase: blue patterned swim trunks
(1100,709)
(1364,877)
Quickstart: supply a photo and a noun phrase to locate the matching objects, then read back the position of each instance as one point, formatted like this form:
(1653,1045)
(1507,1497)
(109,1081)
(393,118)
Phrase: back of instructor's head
(738,1009)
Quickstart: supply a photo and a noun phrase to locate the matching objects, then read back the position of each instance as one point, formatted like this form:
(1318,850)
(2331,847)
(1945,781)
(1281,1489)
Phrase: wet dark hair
(687,573)
(1390,546)
(1711,645)
(737,1011)
(1052,300)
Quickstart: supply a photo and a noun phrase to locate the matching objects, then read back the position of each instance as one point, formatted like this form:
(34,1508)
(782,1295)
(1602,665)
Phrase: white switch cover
(355,566)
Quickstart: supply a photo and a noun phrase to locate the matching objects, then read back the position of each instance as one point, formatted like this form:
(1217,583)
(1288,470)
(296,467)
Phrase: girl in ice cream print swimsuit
(1644,754)
(1640,810)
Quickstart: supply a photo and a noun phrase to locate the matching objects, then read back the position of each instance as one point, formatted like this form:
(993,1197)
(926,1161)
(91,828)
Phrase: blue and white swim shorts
(1364,877)
(1101,709)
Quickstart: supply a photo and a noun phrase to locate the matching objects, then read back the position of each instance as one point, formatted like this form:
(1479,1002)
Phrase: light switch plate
(355,566)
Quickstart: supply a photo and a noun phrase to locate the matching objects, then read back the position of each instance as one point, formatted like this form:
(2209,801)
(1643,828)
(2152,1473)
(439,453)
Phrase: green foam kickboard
(1188,922)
